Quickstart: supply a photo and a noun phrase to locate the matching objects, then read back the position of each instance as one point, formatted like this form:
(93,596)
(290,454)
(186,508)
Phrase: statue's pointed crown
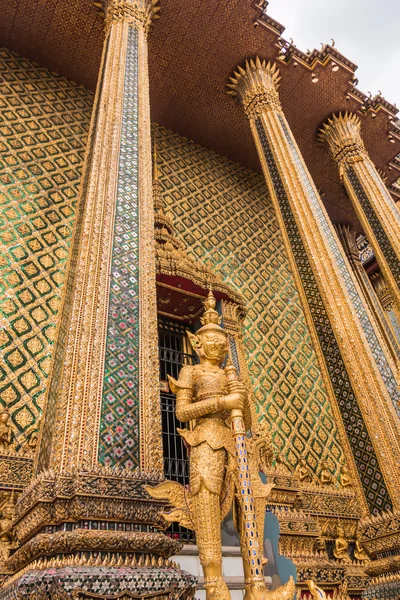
(211,319)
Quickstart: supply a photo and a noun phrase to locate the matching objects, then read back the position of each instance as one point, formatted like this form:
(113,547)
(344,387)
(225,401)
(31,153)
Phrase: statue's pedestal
(188,560)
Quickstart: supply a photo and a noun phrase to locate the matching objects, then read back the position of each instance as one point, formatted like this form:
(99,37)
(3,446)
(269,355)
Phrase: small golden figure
(359,552)
(281,467)
(344,477)
(217,402)
(7,538)
(302,471)
(341,549)
(326,477)
(31,443)
(320,546)
(6,433)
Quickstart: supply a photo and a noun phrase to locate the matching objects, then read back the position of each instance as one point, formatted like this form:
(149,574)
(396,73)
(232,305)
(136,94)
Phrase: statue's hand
(234,401)
(237,387)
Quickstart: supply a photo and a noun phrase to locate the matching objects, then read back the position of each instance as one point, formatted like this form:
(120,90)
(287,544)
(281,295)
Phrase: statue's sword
(245,494)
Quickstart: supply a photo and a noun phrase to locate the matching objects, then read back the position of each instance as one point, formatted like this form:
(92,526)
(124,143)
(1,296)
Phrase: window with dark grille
(175,351)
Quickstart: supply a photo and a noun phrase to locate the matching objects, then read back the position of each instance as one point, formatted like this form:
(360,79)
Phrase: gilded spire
(210,314)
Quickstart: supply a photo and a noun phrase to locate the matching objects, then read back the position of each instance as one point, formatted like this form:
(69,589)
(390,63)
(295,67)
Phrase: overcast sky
(365,31)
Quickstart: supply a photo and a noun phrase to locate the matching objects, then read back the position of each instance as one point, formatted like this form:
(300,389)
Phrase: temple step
(188,559)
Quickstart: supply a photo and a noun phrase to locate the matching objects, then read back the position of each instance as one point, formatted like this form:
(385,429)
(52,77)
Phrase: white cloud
(365,31)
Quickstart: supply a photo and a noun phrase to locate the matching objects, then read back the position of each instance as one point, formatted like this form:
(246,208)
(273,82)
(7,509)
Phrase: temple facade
(151,153)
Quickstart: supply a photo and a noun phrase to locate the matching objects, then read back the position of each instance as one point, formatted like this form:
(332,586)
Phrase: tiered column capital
(341,135)
(138,13)
(256,86)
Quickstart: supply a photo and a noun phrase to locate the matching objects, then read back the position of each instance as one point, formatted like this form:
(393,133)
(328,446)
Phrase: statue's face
(4,417)
(214,346)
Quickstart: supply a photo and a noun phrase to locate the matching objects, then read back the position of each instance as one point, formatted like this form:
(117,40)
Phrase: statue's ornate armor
(199,392)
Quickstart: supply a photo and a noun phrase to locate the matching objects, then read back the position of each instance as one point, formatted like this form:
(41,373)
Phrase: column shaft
(348,239)
(358,369)
(102,423)
(370,198)
(104,391)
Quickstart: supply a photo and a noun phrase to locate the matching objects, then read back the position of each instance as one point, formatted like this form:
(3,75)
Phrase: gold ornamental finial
(211,319)
(210,314)
(341,135)
(256,86)
(137,13)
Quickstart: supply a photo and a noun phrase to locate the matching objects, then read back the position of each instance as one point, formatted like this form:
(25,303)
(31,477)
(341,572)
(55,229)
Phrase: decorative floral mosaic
(101,582)
(119,427)
(44,121)
(226,218)
(371,477)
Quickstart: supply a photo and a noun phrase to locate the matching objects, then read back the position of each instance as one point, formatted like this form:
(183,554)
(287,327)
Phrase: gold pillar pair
(371,200)
(330,295)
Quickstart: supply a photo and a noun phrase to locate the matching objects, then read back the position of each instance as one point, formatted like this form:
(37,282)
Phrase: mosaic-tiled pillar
(101,439)
(371,200)
(103,405)
(378,308)
(386,300)
(354,365)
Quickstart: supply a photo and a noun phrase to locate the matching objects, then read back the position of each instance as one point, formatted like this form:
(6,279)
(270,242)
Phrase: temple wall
(44,122)
(226,219)
(44,132)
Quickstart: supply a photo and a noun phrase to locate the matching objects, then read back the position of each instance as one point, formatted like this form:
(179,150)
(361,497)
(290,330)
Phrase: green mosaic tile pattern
(44,121)
(226,218)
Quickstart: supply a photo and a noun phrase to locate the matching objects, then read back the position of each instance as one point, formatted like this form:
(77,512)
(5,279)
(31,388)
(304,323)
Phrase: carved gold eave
(380,533)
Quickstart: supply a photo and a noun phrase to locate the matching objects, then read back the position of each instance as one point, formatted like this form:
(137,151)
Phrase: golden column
(86,509)
(356,368)
(347,236)
(104,384)
(371,200)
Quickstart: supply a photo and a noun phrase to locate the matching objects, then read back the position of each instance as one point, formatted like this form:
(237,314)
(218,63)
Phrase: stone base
(232,568)
(103,583)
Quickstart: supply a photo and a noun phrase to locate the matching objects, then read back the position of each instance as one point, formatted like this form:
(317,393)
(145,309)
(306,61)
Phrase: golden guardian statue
(216,404)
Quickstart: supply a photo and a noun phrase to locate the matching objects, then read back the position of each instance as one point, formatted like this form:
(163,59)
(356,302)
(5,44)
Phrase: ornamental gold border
(151,451)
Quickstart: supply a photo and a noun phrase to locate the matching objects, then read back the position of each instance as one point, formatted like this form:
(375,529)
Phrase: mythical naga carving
(222,465)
